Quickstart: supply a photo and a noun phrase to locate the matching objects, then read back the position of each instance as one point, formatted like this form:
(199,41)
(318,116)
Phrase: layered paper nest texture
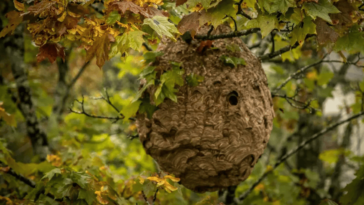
(214,135)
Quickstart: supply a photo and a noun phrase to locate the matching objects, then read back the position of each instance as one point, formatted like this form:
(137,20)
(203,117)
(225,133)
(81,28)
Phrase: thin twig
(227,35)
(272,34)
(155,195)
(282,50)
(82,69)
(295,150)
(235,24)
(295,74)
(241,12)
(145,198)
(147,47)
(83,112)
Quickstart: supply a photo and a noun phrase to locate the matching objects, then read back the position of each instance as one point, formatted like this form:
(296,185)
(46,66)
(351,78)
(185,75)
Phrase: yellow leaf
(259,187)
(9,119)
(312,75)
(269,168)
(175,179)
(54,160)
(19,6)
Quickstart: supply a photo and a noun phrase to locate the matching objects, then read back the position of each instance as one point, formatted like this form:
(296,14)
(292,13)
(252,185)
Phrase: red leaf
(204,45)
(51,51)
(180,2)
(124,6)
(100,48)
(189,23)
(14,20)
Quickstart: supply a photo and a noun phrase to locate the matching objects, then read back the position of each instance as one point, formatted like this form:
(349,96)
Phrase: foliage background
(89,160)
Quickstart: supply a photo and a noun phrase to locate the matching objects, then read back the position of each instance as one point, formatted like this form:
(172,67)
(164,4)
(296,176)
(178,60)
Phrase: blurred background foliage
(101,161)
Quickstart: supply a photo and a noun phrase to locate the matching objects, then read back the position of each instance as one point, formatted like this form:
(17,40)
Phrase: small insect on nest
(212,137)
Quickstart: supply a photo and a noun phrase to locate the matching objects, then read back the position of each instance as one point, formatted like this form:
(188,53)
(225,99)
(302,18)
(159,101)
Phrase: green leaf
(216,15)
(193,80)
(331,156)
(352,42)
(80,178)
(354,195)
(273,6)
(88,195)
(321,9)
(131,39)
(130,110)
(299,32)
(266,23)
(151,56)
(51,173)
(324,77)
(147,107)
(232,61)
(149,188)
(113,17)
(162,26)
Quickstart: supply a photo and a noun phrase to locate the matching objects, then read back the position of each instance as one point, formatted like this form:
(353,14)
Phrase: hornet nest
(215,133)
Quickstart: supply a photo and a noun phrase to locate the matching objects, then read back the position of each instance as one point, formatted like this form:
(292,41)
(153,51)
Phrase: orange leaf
(189,23)
(204,45)
(100,48)
(14,20)
(124,6)
(51,51)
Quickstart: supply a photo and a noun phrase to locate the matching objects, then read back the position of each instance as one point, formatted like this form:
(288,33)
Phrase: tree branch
(227,35)
(28,182)
(282,50)
(83,112)
(292,152)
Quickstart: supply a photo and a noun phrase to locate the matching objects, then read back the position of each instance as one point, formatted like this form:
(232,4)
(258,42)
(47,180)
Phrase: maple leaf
(266,23)
(325,34)
(216,15)
(131,39)
(321,9)
(124,6)
(162,26)
(50,51)
(100,48)
(345,19)
(14,20)
(189,23)
(272,6)
(41,7)
(299,32)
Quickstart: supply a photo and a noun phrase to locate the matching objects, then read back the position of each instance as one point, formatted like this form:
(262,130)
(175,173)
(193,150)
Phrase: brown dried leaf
(100,49)
(344,19)
(124,6)
(14,20)
(155,12)
(189,23)
(41,7)
(204,45)
(180,2)
(51,51)
(325,34)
